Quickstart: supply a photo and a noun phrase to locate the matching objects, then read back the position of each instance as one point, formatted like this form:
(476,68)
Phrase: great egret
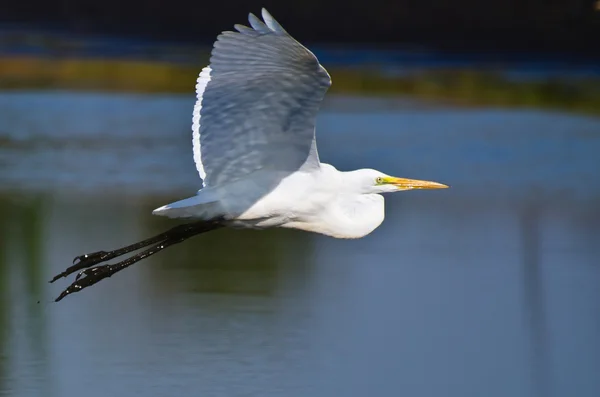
(255,150)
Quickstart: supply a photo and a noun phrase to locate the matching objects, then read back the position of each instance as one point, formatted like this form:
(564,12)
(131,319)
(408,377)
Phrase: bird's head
(373,181)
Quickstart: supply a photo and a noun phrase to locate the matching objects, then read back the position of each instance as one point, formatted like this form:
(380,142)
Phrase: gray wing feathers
(258,27)
(259,107)
(245,30)
(257,24)
(272,23)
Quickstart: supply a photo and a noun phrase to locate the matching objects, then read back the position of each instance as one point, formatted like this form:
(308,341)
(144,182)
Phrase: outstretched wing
(257,104)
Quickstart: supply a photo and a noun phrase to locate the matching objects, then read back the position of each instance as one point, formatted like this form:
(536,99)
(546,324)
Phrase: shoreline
(458,85)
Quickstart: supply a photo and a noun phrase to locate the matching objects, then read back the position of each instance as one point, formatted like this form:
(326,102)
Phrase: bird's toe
(94,256)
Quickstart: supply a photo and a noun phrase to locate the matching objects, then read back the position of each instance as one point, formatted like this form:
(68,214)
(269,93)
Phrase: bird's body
(254,145)
(322,200)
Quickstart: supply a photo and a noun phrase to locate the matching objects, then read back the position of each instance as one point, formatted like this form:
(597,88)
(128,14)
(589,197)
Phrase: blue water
(132,142)
(489,288)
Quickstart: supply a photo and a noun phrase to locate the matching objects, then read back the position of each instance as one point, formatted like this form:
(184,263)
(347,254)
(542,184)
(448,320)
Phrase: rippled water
(486,289)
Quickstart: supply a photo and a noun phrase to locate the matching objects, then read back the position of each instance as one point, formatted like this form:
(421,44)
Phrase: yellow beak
(408,184)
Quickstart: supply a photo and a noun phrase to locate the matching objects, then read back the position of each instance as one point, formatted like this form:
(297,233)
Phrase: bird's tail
(202,206)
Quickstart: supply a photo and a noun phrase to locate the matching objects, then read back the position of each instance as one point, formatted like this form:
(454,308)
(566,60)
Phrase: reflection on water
(533,295)
(489,288)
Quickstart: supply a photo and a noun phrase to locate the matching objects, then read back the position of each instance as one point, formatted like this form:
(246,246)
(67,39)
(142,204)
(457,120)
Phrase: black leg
(89,260)
(92,275)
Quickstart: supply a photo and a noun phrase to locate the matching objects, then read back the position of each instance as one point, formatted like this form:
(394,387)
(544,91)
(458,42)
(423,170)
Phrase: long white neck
(346,213)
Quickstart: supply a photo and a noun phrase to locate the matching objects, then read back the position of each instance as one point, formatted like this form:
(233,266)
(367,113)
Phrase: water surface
(489,288)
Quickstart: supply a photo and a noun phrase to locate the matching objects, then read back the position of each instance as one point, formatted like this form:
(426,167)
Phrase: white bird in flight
(255,150)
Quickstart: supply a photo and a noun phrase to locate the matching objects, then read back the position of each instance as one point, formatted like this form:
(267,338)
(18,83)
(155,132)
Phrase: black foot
(83,262)
(89,277)
(90,274)
(87,257)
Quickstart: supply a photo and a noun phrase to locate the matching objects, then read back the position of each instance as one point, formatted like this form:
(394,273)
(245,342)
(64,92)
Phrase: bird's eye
(379,180)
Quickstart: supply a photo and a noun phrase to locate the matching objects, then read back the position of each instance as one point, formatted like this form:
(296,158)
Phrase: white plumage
(201,83)
(254,142)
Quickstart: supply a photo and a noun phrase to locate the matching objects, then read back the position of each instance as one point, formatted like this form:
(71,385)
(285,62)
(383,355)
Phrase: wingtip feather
(245,30)
(271,22)
(257,24)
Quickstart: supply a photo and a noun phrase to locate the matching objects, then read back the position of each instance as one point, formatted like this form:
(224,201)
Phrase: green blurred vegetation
(470,87)
(229,262)
(96,74)
(480,87)
(4,298)
(21,273)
